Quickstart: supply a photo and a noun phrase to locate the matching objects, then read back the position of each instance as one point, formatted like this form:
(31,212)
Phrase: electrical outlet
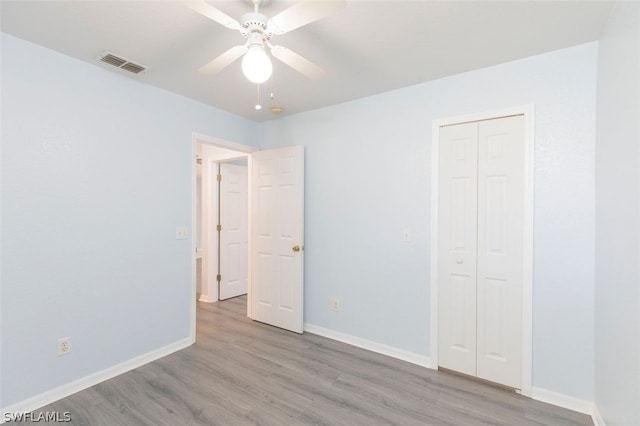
(64,346)
(335,305)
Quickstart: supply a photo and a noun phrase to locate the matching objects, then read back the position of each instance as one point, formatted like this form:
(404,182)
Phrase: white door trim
(527,275)
(209,140)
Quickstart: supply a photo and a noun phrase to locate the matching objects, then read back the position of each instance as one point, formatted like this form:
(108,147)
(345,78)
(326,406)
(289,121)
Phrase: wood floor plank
(241,372)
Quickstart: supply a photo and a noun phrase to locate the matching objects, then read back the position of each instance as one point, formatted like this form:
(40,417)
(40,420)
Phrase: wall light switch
(406,237)
(181,233)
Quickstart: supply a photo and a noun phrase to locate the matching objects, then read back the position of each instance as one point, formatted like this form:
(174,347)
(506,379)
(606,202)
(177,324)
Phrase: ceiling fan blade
(298,63)
(224,60)
(303,13)
(212,13)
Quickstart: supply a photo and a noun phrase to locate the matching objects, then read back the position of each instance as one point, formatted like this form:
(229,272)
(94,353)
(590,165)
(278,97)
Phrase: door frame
(527,273)
(221,143)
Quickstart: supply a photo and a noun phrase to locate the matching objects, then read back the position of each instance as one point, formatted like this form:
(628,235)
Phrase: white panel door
(500,249)
(457,252)
(277,237)
(234,230)
(480,249)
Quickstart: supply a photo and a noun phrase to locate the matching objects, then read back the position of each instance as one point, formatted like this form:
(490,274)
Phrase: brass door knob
(295,248)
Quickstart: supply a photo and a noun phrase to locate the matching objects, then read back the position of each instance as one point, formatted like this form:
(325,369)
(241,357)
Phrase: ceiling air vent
(134,68)
(113,60)
(121,63)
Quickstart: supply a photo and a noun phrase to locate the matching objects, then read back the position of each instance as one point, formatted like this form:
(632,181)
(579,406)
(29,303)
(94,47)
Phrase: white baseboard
(380,348)
(562,400)
(597,417)
(45,398)
(204,298)
(543,395)
(38,401)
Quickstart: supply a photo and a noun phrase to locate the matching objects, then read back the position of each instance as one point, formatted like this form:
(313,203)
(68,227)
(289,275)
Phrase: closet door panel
(457,247)
(500,241)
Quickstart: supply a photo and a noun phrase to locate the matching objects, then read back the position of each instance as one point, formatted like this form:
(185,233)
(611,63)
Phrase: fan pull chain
(271,95)
(258,106)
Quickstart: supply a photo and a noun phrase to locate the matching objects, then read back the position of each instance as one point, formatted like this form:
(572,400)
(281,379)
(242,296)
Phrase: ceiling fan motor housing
(255,23)
(258,2)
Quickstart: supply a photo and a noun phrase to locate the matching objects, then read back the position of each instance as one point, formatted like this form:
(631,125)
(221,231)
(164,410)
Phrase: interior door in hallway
(233,230)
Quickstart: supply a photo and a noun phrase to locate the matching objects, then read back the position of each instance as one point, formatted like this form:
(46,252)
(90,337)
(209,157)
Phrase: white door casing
(481,229)
(277,237)
(233,222)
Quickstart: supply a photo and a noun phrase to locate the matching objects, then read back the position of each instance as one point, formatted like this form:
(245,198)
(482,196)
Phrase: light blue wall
(96,176)
(617,289)
(368,179)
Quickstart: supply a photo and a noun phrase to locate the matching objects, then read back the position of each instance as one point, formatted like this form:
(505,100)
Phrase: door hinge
(219,178)
(219,227)
(218,277)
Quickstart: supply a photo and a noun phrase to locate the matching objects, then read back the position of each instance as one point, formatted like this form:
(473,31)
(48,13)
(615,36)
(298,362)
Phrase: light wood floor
(245,373)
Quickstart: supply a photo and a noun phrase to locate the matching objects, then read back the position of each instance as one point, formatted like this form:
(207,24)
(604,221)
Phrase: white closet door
(457,237)
(500,249)
(480,248)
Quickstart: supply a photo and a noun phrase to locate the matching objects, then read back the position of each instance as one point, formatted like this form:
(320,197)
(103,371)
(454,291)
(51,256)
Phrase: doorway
(275,290)
(203,267)
(448,145)
(221,222)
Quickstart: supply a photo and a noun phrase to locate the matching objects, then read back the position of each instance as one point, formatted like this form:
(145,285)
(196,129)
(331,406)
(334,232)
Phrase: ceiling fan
(259,29)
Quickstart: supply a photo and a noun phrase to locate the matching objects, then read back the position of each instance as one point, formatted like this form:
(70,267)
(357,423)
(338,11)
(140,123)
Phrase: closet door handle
(459,261)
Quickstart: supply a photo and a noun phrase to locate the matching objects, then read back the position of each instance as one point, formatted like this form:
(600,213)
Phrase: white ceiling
(367,48)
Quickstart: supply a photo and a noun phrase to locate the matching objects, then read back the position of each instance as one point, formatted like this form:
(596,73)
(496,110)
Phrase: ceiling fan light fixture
(256,65)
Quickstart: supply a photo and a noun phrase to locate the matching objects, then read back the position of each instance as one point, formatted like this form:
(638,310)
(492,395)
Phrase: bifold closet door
(457,242)
(500,249)
(480,238)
